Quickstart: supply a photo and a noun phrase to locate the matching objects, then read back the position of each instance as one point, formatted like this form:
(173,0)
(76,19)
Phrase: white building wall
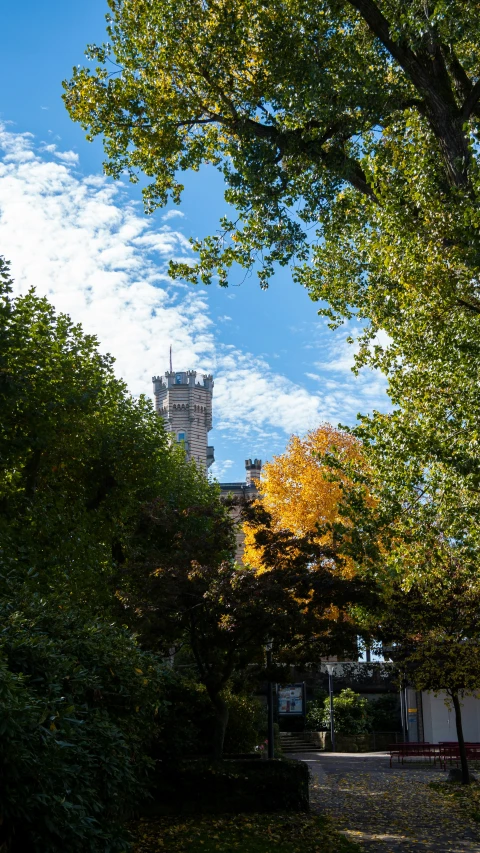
(439,720)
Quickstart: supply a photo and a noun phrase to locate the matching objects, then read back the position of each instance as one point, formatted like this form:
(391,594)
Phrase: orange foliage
(296,489)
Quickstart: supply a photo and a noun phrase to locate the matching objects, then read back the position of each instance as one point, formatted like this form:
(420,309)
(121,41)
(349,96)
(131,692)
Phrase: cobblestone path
(388,810)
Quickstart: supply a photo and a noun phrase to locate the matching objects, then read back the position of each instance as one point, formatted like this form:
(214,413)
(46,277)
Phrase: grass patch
(464,798)
(248,833)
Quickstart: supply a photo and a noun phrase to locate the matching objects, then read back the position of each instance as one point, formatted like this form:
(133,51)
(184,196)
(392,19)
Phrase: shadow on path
(388,810)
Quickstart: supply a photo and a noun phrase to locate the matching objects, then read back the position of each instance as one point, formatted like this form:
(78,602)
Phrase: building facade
(247,490)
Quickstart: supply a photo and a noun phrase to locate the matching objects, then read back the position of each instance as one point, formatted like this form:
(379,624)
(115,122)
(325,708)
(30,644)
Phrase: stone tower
(186,408)
(253,471)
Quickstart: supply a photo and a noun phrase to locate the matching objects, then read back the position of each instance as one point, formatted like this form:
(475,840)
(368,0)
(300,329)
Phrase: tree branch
(430,77)
(380,27)
(468,305)
(471,102)
(346,167)
(461,80)
(414,103)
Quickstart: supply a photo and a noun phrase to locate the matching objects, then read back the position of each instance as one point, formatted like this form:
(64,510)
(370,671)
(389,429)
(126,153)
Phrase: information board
(290,699)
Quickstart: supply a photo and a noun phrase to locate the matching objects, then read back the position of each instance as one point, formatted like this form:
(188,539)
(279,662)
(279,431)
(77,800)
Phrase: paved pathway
(388,810)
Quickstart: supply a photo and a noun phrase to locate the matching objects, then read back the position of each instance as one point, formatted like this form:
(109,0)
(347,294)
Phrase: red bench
(450,752)
(414,749)
(445,751)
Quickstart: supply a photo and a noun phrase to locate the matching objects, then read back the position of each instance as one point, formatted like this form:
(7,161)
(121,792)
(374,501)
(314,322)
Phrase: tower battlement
(253,471)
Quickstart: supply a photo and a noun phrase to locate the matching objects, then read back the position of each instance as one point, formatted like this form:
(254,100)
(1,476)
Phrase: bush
(246,723)
(78,704)
(350,713)
(189,721)
(384,714)
(316,712)
(354,714)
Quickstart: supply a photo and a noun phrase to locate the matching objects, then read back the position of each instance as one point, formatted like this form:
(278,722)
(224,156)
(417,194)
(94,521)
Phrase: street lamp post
(331,669)
(268,647)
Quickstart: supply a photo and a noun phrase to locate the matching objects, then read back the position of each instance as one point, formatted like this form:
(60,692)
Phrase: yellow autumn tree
(297,488)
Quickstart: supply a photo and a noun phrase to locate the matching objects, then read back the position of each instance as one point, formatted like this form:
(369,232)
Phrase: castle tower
(253,471)
(186,408)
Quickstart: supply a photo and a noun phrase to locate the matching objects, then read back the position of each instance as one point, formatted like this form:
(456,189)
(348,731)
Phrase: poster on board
(291,699)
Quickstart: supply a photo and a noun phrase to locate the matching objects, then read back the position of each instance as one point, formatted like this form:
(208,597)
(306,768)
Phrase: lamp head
(330,667)
(269,645)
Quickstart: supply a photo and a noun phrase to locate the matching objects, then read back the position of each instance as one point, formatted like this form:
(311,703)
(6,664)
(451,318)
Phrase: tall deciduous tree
(221,612)
(358,117)
(80,701)
(224,613)
(313,569)
(411,540)
(295,523)
(347,134)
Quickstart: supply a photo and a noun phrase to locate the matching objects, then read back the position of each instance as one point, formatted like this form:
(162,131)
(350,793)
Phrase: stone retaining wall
(375,742)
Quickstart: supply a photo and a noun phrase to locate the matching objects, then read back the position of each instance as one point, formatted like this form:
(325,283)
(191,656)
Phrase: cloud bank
(80,240)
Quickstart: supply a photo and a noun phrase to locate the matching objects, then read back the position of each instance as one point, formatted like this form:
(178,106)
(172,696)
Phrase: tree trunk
(461,742)
(220,726)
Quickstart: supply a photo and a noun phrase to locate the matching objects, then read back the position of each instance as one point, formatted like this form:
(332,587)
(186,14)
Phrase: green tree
(433,629)
(79,457)
(405,534)
(83,466)
(224,613)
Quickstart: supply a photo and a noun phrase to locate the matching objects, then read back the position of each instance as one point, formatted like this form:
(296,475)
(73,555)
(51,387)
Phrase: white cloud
(82,243)
(171,214)
(218,471)
(68,157)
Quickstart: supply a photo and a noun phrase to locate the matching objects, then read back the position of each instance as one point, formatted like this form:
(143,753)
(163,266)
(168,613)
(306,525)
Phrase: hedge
(230,786)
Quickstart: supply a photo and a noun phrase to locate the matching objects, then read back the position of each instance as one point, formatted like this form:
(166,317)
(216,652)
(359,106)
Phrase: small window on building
(178,379)
(181,436)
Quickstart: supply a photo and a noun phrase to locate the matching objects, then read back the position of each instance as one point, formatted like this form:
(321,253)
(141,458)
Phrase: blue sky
(86,243)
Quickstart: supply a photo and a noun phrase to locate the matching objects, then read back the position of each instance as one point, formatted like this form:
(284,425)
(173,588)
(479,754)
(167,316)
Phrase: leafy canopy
(420,547)
(345,130)
(347,133)
(80,463)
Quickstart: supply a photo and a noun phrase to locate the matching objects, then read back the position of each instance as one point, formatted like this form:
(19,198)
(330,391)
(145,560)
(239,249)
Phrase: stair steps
(298,742)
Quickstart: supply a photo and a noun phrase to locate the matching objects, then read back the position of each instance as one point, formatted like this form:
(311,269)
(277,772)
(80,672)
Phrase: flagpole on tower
(171,368)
